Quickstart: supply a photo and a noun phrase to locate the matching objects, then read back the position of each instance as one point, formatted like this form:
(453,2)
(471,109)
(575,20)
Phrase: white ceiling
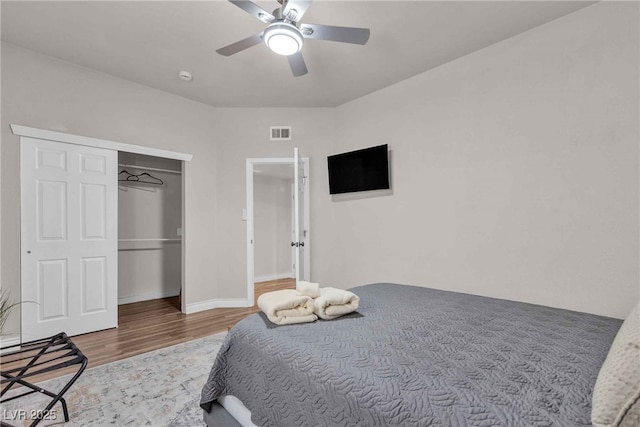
(149,42)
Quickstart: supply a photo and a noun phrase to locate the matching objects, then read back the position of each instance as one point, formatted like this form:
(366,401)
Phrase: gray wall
(42,92)
(272,205)
(515,169)
(313,132)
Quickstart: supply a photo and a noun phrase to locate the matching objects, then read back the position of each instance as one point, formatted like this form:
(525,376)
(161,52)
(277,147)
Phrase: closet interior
(149,228)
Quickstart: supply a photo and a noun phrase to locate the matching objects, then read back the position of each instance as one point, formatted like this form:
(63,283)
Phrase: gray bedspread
(414,356)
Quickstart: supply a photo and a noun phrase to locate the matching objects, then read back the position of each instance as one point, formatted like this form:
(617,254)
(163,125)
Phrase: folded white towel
(309,289)
(334,303)
(286,307)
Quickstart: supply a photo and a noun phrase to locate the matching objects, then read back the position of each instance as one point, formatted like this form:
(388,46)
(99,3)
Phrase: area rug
(159,388)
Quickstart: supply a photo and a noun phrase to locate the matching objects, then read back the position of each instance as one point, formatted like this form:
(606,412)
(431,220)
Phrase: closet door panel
(53,285)
(94,209)
(94,284)
(93,164)
(53,159)
(69,238)
(51,202)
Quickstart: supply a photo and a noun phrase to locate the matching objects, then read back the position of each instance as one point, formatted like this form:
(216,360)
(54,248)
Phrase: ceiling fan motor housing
(283,37)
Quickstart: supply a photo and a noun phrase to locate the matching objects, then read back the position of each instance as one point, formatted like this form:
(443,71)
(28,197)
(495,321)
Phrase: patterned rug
(159,388)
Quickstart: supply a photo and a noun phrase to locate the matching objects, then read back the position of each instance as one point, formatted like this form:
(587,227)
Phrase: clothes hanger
(158,180)
(131,177)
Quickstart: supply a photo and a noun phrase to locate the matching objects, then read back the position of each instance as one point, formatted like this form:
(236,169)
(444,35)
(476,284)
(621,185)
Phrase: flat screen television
(361,170)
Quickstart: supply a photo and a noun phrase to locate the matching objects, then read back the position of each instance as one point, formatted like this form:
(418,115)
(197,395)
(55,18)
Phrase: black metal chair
(22,361)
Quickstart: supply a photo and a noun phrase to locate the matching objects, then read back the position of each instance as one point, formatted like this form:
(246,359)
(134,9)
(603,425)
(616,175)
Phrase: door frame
(250,164)
(292,232)
(49,135)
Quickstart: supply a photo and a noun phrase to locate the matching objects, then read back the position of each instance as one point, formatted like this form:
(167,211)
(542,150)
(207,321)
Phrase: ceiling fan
(285,34)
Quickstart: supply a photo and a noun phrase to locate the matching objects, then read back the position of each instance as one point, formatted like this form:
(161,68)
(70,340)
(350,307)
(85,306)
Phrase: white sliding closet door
(69,238)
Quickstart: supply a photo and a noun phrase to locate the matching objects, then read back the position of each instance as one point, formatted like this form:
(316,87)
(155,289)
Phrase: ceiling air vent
(280,133)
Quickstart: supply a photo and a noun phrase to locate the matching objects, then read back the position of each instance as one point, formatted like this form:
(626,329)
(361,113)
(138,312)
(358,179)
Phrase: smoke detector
(185,75)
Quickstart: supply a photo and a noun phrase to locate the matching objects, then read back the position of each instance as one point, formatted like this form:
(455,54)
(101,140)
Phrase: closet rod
(149,169)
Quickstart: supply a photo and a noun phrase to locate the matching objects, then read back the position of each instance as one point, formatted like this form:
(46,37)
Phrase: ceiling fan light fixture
(283,38)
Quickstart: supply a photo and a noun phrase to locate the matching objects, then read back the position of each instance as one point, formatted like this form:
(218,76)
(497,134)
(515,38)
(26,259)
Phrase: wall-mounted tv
(360,170)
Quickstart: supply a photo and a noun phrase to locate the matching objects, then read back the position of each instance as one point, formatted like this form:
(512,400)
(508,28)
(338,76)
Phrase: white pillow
(616,395)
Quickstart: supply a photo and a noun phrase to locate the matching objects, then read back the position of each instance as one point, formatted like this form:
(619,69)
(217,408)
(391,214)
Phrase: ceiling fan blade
(240,45)
(253,9)
(296,61)
(294,9)
(335,34)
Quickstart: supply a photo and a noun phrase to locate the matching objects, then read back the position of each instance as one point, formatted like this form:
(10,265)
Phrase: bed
(414,356)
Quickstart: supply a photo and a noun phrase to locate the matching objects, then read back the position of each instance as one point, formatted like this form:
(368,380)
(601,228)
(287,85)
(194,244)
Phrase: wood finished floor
(151,325)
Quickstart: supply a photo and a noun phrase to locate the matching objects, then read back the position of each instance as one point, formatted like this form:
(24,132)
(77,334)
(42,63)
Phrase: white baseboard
(267,277)
(217,303)
(148,296)
(8,341)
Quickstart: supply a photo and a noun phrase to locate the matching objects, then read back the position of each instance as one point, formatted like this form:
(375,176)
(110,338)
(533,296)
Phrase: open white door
(69,238)
(301,217)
